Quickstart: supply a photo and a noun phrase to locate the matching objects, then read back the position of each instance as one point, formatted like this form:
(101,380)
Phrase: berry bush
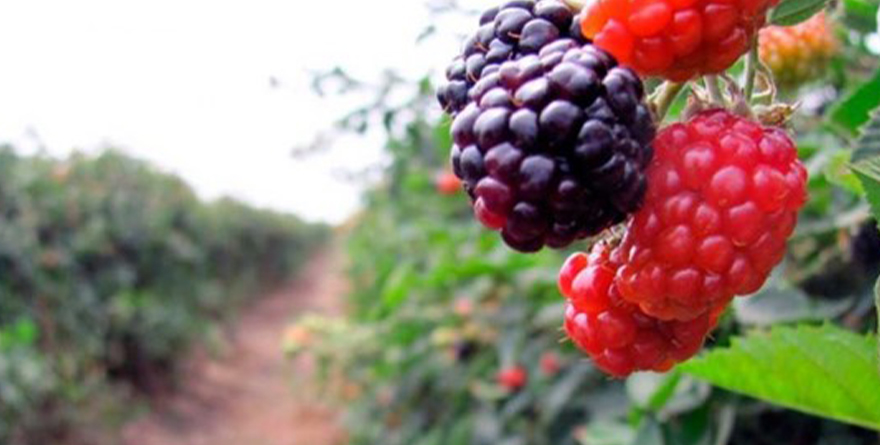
(110,268)
(700,180)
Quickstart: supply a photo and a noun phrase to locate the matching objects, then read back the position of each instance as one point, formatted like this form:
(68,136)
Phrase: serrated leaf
(855,110)
(868,144)
(868,172)
(825,371)
(792,12)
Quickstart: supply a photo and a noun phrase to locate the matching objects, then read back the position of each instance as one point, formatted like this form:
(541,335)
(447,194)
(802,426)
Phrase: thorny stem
(715,94)
(665,97)
(752,62)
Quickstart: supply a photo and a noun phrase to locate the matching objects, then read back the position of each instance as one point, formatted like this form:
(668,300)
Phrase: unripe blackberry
(799,53)
(616,334)
(552,145)
(517,28)
(675,39)
(723,199)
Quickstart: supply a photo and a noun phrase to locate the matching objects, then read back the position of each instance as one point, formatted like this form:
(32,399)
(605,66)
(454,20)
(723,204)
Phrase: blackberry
(553,146)
(517,28)
(866,245)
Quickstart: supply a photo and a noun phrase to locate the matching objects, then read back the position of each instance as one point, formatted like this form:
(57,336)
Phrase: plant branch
(715,94)
(752,62)
(576,5)
(665,97)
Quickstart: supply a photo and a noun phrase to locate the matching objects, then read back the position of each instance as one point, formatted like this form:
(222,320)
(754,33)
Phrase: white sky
(185,84)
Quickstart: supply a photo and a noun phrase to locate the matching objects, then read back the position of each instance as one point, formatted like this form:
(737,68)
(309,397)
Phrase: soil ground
(247,397)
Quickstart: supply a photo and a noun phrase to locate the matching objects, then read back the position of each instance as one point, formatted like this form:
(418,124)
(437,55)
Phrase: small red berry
(513,378)
(447,183)
(675,39)
(550,364)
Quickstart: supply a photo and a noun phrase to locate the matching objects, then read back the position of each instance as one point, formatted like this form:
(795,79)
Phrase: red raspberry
(620,338)
(447,183)
(722,199)
(513,378)
(675,39)
(800,53)
(550,364)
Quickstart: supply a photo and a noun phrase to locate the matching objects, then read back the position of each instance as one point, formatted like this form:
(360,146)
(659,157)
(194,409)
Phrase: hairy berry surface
(675,39)
(616,334)
(723,198)
(800,53)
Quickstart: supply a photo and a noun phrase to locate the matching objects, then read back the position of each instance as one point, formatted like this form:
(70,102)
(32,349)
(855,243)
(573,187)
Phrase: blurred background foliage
(441,311)
(109,268)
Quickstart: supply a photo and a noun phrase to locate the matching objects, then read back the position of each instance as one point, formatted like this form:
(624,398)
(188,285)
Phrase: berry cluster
(798,53)
(675,39)
(551,144)
(722,200)
(618,335)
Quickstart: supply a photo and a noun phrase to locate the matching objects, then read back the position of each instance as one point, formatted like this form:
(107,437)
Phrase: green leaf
(825,371)
(868,172)
(860,15)
(855,110)
(649,433)
(868,144)
(792,12)
(606,433)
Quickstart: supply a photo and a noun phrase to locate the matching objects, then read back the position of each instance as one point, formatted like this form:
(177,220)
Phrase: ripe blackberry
(866,245)
(617,335)
(553,146)
(723,199)
(517,28)
(799,53)
(675,39)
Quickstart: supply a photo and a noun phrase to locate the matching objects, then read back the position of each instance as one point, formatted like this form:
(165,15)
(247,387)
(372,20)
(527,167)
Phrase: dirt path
(247,397)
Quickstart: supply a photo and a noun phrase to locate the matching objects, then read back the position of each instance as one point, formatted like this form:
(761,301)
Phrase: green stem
(714,90)
(666,97)
(575,5)
(877,303)
(751,69)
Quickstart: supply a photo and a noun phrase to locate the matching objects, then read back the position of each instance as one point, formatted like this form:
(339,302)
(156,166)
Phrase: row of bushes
(108,268)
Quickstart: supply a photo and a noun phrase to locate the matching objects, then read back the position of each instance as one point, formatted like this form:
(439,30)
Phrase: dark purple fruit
(552,137)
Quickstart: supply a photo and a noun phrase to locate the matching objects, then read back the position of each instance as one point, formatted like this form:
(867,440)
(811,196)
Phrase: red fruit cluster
(513,378)
(723,196)
(675,39)
(722,200)
(618,335)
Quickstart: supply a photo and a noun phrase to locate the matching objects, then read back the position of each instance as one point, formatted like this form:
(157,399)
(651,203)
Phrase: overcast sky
(186,84)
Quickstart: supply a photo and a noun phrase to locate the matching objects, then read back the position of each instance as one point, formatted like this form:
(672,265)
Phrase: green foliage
(110,268)
(868,172)
(855,110)
(792,12)
(824,371)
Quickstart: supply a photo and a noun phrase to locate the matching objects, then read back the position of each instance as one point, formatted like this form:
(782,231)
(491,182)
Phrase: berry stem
(665,97)
(714,90)
(752,62)
(575,5)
